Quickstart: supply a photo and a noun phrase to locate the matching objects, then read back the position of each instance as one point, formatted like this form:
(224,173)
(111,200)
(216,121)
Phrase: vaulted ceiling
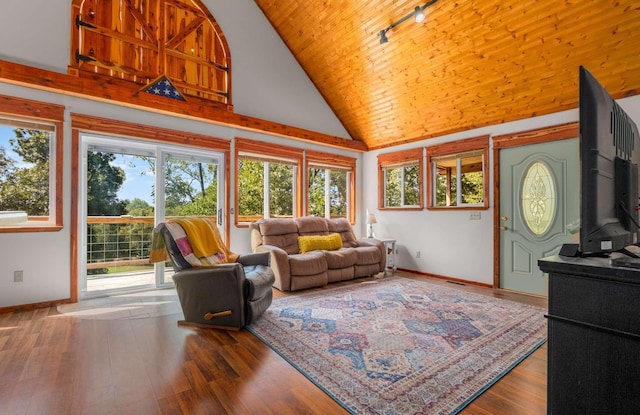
(471,63)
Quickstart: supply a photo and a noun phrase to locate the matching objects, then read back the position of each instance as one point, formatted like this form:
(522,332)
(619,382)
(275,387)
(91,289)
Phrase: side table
(390,248)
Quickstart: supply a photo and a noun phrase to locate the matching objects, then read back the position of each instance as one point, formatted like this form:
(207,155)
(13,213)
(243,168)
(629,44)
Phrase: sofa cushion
(339,225)
(288,242)
(280,232)
(343,227)
(277,226)
(311,225)
(328,242)
(311,263)
(341,258)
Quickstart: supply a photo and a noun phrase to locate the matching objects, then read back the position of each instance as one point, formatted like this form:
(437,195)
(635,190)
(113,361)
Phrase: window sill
(401,208)
(25,229)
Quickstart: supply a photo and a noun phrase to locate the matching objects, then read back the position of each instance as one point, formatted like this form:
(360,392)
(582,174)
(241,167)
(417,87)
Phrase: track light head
(419,14)
(383,37)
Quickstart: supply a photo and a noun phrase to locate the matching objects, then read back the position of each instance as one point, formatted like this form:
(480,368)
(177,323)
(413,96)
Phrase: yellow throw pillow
(319,242)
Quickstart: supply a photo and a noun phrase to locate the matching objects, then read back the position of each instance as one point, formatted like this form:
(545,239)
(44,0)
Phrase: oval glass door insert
(538,198)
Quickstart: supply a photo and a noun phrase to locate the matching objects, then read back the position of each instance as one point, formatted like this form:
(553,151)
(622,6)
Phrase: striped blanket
(198,240)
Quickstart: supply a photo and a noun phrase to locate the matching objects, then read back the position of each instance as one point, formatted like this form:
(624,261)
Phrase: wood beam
(106,89)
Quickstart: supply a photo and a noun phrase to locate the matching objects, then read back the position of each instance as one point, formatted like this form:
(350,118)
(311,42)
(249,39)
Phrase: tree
(392,189)
(280,190)
(412,185)
(250,188)
(338,193)
(472,184)
(103,183)
(24,184)
(139,207)
(191,188)
(316,191)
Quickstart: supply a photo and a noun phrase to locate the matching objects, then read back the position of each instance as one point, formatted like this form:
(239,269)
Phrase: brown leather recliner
(228,295)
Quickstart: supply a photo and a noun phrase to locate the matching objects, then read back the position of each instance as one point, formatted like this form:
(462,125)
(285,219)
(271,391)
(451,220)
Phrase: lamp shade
(371,218)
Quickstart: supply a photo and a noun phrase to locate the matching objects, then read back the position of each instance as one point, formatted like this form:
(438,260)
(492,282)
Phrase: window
(331,185)
(459,174)
(400,180)
(268,179)
(30,163)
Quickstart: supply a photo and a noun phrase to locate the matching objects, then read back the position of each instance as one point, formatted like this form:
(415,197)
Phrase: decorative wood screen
(144,41)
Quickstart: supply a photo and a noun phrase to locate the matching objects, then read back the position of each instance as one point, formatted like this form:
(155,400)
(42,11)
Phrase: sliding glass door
(129,187)
(189,183)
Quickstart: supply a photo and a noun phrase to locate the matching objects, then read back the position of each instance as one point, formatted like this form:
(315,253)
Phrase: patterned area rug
(401,346)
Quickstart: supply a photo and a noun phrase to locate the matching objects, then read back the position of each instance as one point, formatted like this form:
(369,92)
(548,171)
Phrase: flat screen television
(609,159)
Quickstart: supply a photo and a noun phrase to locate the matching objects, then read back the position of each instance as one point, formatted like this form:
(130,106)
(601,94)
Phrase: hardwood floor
(51,363)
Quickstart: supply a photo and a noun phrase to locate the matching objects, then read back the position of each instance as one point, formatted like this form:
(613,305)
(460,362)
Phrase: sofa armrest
(369,242)
(279,263)
(255,258)
(380,245)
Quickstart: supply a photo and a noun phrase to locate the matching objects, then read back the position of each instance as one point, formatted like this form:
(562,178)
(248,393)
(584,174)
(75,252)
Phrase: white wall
(451,244)
(267,83)
(274,94)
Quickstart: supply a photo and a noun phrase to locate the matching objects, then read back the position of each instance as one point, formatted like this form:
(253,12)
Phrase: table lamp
(371,219)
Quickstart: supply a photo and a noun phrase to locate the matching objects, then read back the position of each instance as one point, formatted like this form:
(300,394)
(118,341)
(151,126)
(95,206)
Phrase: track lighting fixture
(417,14)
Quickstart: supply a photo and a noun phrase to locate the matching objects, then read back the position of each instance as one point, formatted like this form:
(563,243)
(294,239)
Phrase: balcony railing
(117,243)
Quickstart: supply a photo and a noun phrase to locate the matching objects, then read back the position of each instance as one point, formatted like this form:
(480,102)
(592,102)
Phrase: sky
(137,184)
(5,134)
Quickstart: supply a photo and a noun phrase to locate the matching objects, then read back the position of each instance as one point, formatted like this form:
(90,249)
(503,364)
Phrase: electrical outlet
(18,276)
(417,254)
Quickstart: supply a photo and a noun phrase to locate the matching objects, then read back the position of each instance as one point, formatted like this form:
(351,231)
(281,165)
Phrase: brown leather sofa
(296,271)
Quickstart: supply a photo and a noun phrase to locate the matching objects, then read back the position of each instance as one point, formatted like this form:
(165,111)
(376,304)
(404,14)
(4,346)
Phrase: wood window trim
(480,143)
(339,161)
(37,110)
(245,145)
(107,126)
(399,157)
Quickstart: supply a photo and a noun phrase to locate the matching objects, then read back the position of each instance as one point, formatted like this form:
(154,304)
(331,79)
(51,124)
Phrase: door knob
(503,218)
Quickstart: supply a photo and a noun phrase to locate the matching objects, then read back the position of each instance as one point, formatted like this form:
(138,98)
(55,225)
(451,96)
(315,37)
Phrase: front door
(539,209)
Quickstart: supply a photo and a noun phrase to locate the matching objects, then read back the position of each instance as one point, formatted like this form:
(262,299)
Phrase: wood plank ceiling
(469,64)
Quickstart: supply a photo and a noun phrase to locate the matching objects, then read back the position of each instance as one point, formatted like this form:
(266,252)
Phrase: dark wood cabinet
(594,337)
